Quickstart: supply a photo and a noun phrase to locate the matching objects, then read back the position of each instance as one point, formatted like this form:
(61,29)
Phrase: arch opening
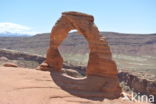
(75,51)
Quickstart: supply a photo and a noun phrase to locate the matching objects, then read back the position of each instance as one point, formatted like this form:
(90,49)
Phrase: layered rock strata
(100,64)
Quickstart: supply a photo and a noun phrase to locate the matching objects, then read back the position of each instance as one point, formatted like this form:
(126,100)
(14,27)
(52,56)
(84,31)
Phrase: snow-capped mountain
(15,30)
(9,34)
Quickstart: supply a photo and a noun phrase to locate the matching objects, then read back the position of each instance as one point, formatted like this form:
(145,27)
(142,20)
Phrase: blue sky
(125,16)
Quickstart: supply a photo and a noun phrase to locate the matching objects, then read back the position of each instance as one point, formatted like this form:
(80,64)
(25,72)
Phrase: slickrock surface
(26,86)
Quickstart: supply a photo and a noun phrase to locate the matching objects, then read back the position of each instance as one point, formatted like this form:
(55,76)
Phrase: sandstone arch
(100,62)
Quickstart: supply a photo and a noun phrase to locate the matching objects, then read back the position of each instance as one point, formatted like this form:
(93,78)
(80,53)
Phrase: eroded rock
(9,64)
(100,62)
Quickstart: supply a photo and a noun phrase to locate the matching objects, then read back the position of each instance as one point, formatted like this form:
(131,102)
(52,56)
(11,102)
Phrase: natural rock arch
(100,62)
(100,59)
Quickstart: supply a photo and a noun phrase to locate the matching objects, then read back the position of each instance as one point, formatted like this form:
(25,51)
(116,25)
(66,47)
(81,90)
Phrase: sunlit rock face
(100,62)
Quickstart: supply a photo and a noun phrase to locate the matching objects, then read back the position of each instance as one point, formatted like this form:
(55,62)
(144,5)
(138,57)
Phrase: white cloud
(15,28)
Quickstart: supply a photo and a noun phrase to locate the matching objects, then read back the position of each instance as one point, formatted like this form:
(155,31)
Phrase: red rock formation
(100,59)
(10,65)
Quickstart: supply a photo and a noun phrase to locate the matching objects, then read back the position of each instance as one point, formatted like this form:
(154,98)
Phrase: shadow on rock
(90,87)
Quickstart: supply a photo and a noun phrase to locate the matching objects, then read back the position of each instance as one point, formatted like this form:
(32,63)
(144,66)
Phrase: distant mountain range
(9,34)
(130,51)
(131,44)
